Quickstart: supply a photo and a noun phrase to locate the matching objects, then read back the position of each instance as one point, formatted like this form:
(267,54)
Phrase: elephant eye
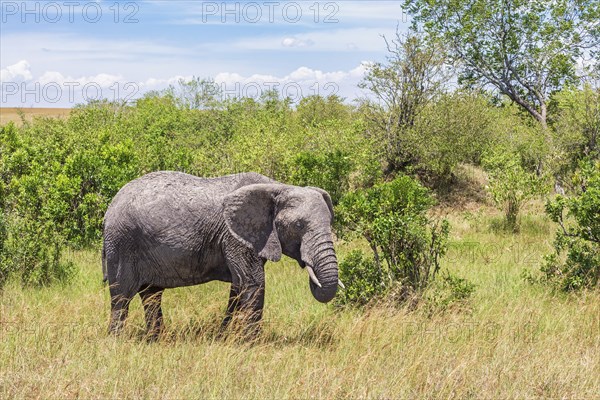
(299,224)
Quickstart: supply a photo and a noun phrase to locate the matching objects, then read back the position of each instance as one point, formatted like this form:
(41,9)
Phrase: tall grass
(511,340)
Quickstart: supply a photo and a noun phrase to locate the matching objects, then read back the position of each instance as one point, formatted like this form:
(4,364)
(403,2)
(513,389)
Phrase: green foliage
(457,128)
(576,133)
(317,111)
(65,173)
(580,240)
(510,185)
(419,128)
(449,292)
(32,251)
(529,49)
(57,177)
(406,244)
(329,171)
(364,282)
(196,93)
(3,268)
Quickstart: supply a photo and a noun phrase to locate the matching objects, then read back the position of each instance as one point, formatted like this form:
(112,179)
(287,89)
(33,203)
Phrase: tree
(412,76)
(525,49)
(575,263)
(196,93)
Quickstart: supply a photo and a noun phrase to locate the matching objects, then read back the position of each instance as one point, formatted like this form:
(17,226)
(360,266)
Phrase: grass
(16,115)
(512,340)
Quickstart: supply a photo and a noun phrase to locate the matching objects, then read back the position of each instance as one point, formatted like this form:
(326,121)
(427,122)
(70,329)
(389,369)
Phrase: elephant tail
(104,273)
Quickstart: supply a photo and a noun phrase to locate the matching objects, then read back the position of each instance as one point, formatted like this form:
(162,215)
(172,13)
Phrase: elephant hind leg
(151,299)
(122,287)
(119,308)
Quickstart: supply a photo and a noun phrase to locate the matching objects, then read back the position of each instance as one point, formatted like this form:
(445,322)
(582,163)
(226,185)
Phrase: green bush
(457,128)
(510,185)
(364,282)
(575,263)
(576,133)
(406,244)
(449,292)
(57,176)
(32,253)
(329,171)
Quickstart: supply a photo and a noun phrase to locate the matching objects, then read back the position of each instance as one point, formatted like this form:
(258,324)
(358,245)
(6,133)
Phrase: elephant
(170,229)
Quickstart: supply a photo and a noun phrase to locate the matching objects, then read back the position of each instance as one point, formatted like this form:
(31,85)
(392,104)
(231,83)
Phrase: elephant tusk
(340,284)
(313,277)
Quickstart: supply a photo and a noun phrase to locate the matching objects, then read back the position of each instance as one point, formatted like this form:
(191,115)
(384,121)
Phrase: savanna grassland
(467,225)
(510,324)
(511,339)
(17,115)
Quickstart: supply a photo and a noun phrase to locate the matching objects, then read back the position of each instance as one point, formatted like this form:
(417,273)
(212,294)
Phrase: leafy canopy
(526,49)
(578,237)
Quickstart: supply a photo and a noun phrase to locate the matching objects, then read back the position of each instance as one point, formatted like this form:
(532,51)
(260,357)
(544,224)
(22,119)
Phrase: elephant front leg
(232,306)
(247,298)
(252,301)
(245,304)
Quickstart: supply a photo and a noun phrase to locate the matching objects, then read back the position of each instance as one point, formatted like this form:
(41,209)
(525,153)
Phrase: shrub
(456,129)
(576,133)
(580,240)
(405,242)
(56,179)
(450,291)
(510,185)
(363,280)
(329,171)
(32,253)
(412,76)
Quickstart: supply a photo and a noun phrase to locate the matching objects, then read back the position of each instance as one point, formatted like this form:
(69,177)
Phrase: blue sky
(57,53)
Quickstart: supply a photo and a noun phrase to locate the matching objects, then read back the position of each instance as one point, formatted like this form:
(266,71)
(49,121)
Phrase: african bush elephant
(170,229)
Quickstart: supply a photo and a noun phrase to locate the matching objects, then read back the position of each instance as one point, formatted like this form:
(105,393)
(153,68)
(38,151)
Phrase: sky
(61,53)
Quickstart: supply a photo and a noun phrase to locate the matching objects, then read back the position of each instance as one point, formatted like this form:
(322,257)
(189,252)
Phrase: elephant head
(275,219)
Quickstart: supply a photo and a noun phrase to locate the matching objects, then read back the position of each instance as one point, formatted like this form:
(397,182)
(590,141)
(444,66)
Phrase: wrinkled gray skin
(170,229)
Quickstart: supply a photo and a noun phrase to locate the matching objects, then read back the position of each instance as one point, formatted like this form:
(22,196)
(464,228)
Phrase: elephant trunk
(323,262)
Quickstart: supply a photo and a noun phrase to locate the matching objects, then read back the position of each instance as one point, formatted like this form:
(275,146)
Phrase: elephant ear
(249,214)
(326,197)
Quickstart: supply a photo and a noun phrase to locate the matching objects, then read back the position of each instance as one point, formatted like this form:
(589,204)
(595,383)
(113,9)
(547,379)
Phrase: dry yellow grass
(8,114)
(514,341)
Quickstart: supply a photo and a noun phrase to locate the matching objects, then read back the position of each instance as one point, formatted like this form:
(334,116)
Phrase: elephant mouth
(311,273)
(321,290)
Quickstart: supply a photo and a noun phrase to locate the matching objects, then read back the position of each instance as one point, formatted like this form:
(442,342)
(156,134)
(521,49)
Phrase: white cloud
(303,81)
(361,69)
(102,80)
(16,72)
(55,89)
(162,83)
(295,42)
